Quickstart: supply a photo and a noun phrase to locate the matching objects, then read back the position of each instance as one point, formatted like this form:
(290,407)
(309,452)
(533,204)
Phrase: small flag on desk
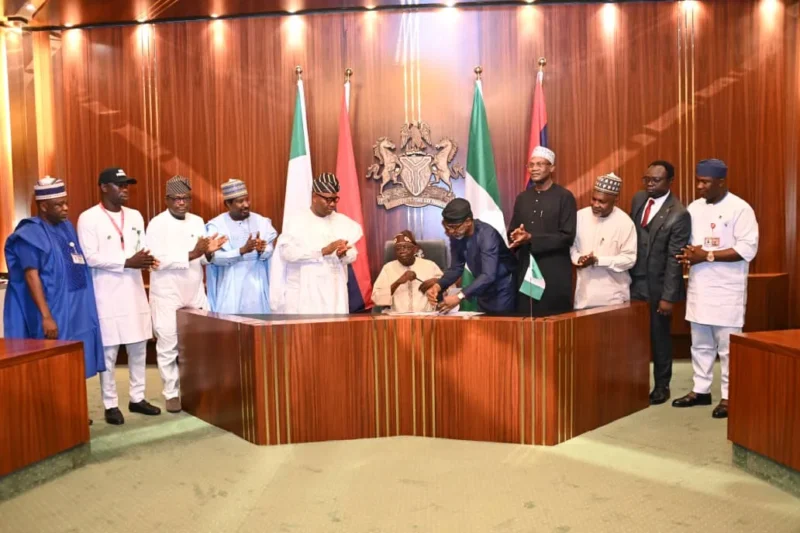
(533,285)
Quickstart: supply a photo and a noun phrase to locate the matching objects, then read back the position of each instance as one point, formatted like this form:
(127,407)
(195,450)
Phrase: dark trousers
(660,337)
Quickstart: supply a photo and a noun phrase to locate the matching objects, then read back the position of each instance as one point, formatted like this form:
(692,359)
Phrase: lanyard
(118,228)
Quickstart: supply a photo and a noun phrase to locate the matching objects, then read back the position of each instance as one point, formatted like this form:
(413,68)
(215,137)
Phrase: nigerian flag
(298,195)
(533,284)
(481,187)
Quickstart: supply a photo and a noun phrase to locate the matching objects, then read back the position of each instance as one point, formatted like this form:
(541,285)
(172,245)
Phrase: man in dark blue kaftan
(479,247)
(50,293)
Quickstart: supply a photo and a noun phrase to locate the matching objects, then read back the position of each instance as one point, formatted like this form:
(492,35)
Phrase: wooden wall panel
(215,100)
(741,80)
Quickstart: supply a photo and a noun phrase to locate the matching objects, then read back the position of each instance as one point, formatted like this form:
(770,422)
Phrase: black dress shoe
(144,407)
(720,411)
(114,416)
(692,399)
(659,395)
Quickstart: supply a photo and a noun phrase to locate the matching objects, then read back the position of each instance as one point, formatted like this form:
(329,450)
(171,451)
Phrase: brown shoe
(174,405)
(721,410)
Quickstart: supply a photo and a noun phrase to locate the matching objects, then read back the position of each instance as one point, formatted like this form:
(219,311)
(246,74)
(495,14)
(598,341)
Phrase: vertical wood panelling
(223,95)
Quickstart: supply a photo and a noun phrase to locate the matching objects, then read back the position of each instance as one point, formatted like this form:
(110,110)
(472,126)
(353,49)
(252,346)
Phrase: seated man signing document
(478,246)
(398,284)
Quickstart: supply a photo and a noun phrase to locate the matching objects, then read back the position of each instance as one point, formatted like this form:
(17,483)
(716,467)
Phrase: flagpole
(478,71)
(298,70)
(542,64)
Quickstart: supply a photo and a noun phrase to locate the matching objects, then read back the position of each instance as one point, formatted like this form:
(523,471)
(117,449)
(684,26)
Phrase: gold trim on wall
(375,378)
(522,383)
(433,378)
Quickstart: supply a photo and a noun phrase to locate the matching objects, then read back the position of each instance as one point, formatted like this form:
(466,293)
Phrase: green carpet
(661,470)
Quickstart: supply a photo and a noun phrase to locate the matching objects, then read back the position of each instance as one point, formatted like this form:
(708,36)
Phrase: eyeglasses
(655,181)
(180,199)
(328,199)
(452,228)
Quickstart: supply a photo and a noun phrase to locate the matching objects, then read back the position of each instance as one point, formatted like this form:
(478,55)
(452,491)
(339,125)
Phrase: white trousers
(137,354)
(165,325)
(707,342)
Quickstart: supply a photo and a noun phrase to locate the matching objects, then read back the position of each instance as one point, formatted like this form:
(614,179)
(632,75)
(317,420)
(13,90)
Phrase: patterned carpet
(661,470)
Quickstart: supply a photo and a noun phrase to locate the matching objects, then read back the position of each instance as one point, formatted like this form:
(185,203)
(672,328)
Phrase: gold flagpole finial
(347,73)
(298,70)
(478,71)
(542,64)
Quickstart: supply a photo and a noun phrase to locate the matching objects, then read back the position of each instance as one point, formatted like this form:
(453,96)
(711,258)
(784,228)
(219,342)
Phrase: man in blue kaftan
(50,293)
(237,276)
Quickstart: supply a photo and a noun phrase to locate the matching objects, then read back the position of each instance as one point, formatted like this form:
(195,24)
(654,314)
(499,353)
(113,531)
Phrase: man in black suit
(663,228)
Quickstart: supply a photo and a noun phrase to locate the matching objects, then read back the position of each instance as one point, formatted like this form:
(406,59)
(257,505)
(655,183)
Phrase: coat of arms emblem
(413,177)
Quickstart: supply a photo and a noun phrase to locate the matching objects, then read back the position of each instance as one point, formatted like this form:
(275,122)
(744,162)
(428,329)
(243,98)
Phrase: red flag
(359,285)
(538,121)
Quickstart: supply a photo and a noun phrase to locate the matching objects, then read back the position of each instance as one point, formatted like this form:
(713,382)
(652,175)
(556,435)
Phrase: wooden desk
(764,414)
(767,309)
(43,410)
(502,379)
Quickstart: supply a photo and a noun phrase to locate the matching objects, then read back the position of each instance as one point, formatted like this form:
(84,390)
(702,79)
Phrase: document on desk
(462,314)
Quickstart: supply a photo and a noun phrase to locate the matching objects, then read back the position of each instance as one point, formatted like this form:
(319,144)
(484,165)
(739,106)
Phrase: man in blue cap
(724,240)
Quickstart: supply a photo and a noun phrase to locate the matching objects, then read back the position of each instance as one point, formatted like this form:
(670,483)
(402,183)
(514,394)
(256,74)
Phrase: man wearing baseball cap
(113,240)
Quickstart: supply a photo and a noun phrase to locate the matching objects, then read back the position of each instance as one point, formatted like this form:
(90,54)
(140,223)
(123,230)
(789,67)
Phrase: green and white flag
(481,179)
(298,194)
(533,285)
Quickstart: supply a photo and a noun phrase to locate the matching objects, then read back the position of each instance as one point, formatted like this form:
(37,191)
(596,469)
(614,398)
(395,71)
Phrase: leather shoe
(692,399)
(720,411)
(174,405)
(144,408)
(114,416)
(659,395)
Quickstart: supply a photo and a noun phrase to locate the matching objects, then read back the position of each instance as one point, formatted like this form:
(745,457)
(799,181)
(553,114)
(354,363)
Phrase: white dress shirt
(655,208)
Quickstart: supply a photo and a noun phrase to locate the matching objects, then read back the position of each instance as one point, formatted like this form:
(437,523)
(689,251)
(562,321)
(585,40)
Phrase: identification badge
(711,242)
(78,259)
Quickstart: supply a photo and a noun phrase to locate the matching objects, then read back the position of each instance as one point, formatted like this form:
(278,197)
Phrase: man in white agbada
(238,274)
(113,241)
(316,251)
(398,284)
(176,238)
(724,241)
(604,248)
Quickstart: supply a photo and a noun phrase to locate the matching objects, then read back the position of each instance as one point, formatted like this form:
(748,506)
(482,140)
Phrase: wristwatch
(710,257)
(461,296)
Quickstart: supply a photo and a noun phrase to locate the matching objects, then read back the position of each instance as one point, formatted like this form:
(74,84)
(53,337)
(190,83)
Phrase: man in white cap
(724,240)
(50,293)
(543,225)
(316,252)
(398,284)
(604,249)
(112,237)
(177,239)
(238,274)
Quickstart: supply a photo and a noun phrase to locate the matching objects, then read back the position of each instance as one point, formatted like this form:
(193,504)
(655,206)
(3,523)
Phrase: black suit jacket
(670,230)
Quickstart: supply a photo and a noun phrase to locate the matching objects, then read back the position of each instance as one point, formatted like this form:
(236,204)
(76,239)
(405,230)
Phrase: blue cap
(712,168)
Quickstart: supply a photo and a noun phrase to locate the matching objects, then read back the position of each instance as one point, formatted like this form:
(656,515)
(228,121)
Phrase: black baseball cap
(114,175)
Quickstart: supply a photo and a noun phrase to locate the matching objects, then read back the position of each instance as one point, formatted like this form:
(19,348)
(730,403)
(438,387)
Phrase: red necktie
(646,217)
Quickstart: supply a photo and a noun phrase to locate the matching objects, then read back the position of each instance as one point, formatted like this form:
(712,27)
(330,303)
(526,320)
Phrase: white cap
(544,153)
